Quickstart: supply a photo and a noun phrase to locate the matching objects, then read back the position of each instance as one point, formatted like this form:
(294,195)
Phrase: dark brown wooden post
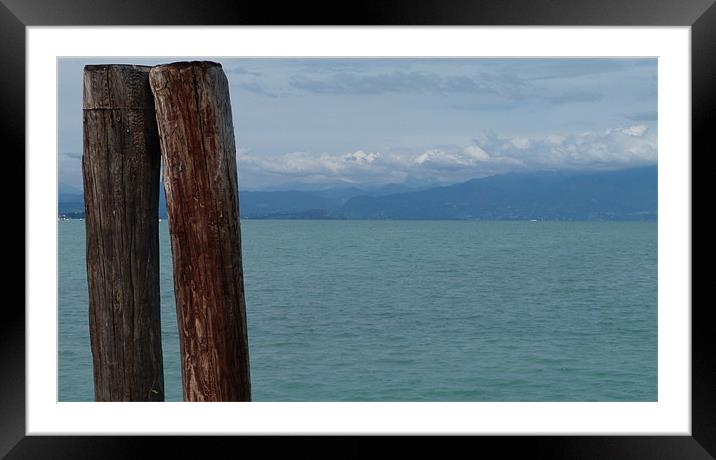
(199,157)
(120,166)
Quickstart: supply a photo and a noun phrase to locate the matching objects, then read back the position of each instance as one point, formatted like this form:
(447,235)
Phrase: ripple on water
(419,311)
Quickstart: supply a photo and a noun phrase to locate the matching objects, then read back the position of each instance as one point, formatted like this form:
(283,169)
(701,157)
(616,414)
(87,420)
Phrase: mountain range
(628,194)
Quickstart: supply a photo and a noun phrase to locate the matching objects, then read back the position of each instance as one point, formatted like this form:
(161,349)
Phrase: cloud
(558,69)
(475,153)
(257,88)
(483,106)
(447,158)
(643,116)
(489,154)
(637,130)
(73,155)
(521,143)
(574,97)
(358,166)
(408,82)
(361,157)
(474,85)
(619,147)
(238,70)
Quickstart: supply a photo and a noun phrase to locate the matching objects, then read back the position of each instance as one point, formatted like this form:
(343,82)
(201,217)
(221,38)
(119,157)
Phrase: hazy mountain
(67,189)
(264,204)
(606,195)
(70,199)
(300,186)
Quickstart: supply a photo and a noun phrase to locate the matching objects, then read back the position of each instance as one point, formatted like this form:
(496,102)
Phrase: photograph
(469,223)
(414,229)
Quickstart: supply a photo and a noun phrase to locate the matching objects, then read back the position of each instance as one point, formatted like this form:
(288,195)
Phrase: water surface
(419,311)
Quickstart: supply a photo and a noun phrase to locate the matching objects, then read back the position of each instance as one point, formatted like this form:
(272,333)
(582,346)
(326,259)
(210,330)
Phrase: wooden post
(120,166)
(199,158)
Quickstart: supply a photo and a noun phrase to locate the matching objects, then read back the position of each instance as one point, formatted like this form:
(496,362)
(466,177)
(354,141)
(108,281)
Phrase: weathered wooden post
(120,166)
(200,179)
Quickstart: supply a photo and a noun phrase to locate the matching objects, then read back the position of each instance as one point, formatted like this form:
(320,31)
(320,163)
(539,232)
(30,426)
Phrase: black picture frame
(16,15)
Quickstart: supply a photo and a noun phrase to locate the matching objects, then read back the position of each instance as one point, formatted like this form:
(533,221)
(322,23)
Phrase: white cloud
(555,139)
(362,157)
(489,154)
(440,157)
(476,153)
(637,130)
(465,156)
(521,143)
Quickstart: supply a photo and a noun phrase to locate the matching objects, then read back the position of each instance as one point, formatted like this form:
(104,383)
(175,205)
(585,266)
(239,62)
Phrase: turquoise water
(419,311)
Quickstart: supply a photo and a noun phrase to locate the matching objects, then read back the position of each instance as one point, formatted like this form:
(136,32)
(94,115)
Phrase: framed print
(472,220)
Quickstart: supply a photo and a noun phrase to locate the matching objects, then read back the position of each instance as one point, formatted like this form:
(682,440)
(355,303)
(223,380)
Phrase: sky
(318,122)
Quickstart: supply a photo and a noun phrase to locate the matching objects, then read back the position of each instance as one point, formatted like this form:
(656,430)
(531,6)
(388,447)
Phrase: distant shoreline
(620,195)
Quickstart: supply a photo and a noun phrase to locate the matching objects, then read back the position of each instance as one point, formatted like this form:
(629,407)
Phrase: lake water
(419,311)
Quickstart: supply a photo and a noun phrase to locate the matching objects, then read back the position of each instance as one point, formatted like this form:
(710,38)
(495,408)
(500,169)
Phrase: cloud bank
(489,154)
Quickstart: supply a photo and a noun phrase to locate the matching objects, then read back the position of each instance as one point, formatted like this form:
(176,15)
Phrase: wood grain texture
(200,180)
(121,168)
